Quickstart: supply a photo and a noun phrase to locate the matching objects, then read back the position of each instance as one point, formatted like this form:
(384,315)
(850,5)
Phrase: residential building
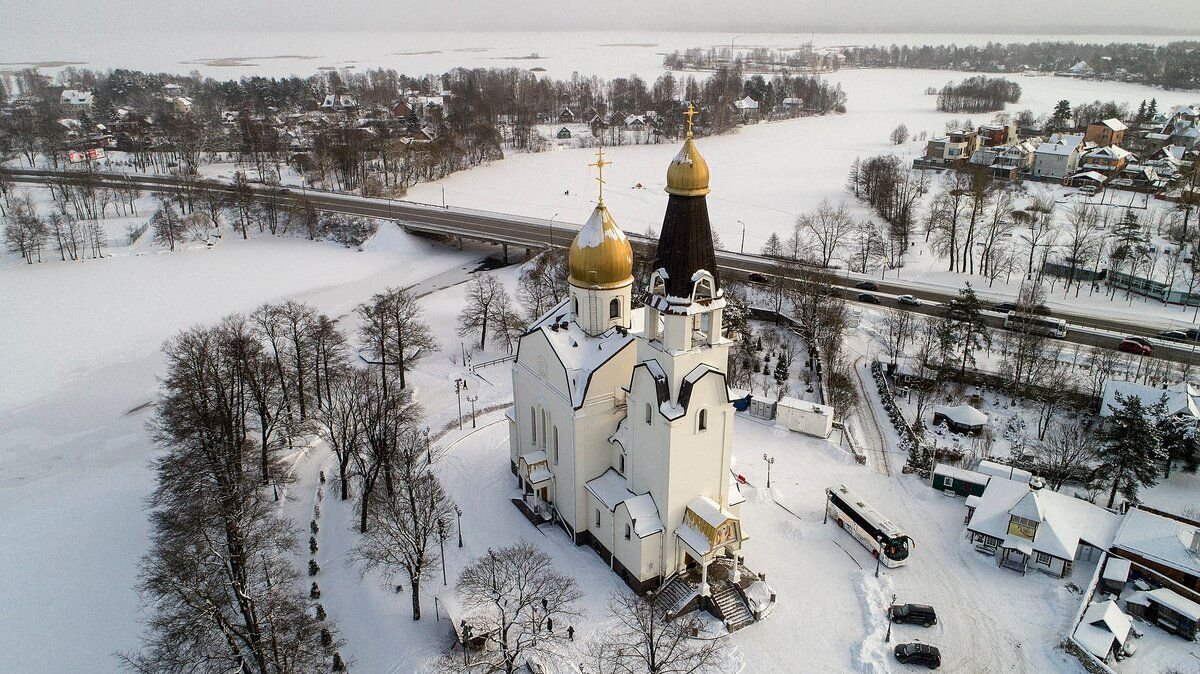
(182,104)
(1016,159)
(1058,157)
(76,100)
(1108,132)
(621,429)
(1107,159)
(748,108)
(1030,527)
(952,148)
(566,116)
(1167,544)
(997,135)
(1181,399)
(338,103)
(563,134)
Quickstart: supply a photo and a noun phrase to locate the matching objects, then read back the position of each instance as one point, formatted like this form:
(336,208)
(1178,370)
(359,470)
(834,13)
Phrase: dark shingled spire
(686,244)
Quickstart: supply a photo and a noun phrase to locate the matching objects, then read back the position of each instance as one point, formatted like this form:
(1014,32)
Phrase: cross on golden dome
(691,112)
(600,164)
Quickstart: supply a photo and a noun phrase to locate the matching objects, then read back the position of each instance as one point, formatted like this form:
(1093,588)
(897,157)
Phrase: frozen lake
(608,54)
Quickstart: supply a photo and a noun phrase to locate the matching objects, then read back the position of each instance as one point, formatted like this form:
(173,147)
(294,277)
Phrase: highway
(525,232)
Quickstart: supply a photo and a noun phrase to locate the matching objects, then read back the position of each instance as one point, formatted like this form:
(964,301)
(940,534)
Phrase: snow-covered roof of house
(1159,539)
(1090,175)
(1181,398)
(73,97)
(1080,67)
(963,415)
(1109,152)
(1061,144)
(1102,623)
(960,474)
(746,103)
(1174,151)
(581,354)
(792,100)
(1172,600)
(612,489)
(1114,124)
(1064,521)
(1117,569)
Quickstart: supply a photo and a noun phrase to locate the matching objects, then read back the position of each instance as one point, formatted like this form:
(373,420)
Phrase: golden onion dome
(600,256)
(687,175)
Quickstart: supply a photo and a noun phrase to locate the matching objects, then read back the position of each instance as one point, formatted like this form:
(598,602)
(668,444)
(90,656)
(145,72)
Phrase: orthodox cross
(691,112)
(600,164)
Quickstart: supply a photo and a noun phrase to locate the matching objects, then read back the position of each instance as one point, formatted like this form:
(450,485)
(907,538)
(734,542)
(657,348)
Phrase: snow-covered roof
(804,406)
(960,474)
(612,489)
(1109,152)
(1117,569)
(1179,604)
(694,539)
(709,511)
(581,354)
(73,97)
(1102,623)
(1021,545)
(746,103)
(1065,521)
(1090,175)
(1181,398)
(1114,124)
(1061,144)
(963,415)
(1159,539)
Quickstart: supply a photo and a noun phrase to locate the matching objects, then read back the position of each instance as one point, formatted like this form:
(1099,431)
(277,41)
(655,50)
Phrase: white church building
(621,430)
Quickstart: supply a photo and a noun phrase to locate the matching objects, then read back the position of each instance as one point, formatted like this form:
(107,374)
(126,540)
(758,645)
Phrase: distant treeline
(978,94)
(1175,65)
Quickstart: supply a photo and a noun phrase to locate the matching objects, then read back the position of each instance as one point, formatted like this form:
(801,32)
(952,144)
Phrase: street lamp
(442,548)
(743,248)
(458,519)
(460,385)
(472,399)
(888,637)
(878,554)
(770,460)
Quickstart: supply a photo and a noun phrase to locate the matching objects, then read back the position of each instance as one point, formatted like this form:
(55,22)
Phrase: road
(525,232)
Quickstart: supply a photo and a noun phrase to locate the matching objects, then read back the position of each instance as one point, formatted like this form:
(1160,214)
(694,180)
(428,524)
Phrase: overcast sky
(949,16)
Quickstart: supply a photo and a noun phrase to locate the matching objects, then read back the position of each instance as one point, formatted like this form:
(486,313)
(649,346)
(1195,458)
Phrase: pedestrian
(570,633)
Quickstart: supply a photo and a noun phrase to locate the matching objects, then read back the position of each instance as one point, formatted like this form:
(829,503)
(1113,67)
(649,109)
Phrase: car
(1176,335)
(756,277)
(1135,347)
(868,298)
(909,300)
(919,654)
(1140,340)
(1005,307)
(917,614)
(284,190)
(867,285)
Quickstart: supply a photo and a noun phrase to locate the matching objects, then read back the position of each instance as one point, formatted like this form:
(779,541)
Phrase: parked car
(919,654)
(1005,307)
(917,614)
(1135,347)
(868,298)
(909,300)
(867,285)
(756,277)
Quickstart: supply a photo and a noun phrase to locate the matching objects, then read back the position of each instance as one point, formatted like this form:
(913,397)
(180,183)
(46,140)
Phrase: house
(635,123)
(563,134)
(1115,575)
(959,481)
(951,148)
(1093,178)
(1058,157)
(1164,543)
(566,116)
(1108,159)
(747,107)
(1103,629)
(401,108)
(338,103)
(962,419)
(997,135)
(1080,69)
(76,100)
(1030,527)
(1167,609)
(1108,132)
(1015,159)
(793,104)
(1182,399)
(993,469)
(1139,177)
(182,105)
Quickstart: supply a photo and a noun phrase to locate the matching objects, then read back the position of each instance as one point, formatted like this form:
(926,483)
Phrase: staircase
(675,595)
(731,607)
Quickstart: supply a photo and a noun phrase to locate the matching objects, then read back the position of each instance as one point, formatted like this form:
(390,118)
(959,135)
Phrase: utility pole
(442,548)
(460,385)
(743,247)
(458,515)
(472,399)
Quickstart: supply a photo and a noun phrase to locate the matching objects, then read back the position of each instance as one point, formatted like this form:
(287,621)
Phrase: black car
(917,614)
(866,285)
(868,298)
(1005,307)
(756,277)
(1176,335)
(919,654)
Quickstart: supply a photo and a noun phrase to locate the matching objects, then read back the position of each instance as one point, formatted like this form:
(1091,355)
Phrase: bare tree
(519,587)
(647,639)
(481,307)
(543,283)
(896,330)
(828,226)
(339,423)
(1068,451)
(387,422)
(394,333)
(899,135)
(167,224)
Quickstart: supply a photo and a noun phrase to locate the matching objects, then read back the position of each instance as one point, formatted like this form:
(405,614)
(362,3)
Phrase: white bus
(1038,325)
(877,534)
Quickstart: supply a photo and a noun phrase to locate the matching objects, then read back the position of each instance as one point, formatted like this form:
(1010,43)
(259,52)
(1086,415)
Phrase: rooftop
(1064,521)
(1159,539)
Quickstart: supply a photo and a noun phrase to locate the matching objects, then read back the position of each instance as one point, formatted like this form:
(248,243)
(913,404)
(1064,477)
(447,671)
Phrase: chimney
(1195,546)
(1036,483)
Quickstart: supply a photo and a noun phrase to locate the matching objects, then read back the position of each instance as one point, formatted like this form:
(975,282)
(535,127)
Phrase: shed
(1000,470)
(960,418)
(1103,630)
(1116,574)
(959,480)
(1167,609)
(805,417)
(563,133)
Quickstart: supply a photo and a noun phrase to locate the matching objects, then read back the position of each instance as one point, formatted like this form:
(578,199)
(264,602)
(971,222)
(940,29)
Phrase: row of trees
(978,94)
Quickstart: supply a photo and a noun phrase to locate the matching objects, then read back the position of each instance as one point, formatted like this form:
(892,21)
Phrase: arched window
(532,426)
(622,463)
(614,308)
(597,519)
(545,426)
(556,445)
(702,421)
(649,414)
(628,531)
(575,305)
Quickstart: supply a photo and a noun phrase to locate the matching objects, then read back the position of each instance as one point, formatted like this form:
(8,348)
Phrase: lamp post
(888,637)
(460,385)
(743,247)
(878,554)
(472,399)
(458,518)
(442,548)
(770,460)
(552,230)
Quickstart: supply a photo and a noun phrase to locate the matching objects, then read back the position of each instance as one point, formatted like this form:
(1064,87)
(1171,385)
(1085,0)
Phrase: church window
(533,426)
(575,305)
(649,414)
(628,531)
(556,445)
(544,427)
(622,463)
(702,421)
(597,518)
(614,308)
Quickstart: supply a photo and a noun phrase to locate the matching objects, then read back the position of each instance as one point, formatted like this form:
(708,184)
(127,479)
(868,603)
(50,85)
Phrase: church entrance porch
(729,585)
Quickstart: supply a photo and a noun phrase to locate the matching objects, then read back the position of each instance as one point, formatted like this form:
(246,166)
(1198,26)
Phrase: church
(621,430)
